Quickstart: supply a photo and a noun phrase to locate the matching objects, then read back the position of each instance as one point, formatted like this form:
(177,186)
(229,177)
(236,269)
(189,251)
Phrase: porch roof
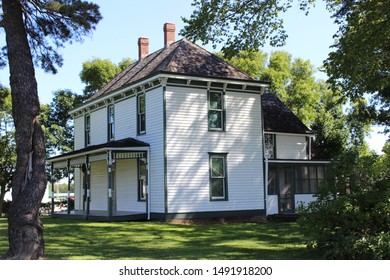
(129,144)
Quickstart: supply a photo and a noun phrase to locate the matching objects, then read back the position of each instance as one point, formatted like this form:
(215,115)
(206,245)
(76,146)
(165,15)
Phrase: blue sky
(124,21)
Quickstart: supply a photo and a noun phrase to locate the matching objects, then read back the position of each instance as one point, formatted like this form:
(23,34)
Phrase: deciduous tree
(98,72)
(318,105)
(358,66)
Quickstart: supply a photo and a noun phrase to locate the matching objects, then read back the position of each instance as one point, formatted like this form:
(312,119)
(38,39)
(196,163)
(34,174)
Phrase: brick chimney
(169,34)
(143,47)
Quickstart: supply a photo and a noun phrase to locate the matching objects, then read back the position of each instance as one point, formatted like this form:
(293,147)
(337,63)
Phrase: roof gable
(181,57)
(279,118)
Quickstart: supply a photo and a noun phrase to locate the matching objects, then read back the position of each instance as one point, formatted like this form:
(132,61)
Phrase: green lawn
(68,239)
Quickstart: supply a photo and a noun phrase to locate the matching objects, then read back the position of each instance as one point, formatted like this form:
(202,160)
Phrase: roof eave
(165,75)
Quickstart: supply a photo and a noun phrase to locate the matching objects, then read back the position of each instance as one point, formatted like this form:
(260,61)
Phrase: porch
(291,183)
(110,181)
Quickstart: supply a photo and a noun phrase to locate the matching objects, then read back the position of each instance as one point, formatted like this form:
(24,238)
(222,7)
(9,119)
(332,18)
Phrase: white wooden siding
(99,126)
(189,142)
(291,147)
(99,189)
(155,137)
(126,119)
(79,141)
(126,177)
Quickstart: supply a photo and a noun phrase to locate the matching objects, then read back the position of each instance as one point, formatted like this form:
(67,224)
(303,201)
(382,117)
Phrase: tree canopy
(360,62)
(318,105)
(97,72)
(358,66)
(50,24)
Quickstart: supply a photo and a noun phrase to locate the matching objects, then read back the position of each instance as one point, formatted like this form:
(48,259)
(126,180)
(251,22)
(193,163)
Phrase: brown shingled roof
(186,58)
(279,118)
(181,57)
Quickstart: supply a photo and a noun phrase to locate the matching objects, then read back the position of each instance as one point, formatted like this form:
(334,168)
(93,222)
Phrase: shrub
(351,217)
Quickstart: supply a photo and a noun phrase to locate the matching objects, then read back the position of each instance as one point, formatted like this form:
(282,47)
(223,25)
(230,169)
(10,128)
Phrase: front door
(285,185)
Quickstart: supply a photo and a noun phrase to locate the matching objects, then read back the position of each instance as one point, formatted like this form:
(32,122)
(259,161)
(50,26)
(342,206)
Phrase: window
(111,123)
(216,111)
(141,114)
(308,178)
(87,130)
(269,145)
(142,179)
(218,177)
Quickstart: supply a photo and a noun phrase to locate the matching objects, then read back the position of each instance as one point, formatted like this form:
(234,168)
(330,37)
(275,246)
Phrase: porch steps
(290,217)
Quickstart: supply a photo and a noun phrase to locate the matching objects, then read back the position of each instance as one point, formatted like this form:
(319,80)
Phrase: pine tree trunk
(29,180)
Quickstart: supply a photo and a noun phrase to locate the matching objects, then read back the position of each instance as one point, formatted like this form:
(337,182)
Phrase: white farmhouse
(183,134)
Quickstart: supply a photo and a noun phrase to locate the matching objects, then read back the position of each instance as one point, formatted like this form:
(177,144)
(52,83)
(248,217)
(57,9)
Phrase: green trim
(213,86)
(112,138)
(87,132)
(222,110)
(216,84)
(139,132)
(225,179)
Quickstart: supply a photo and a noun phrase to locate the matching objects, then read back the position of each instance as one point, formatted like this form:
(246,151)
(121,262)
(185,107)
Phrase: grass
(84,240)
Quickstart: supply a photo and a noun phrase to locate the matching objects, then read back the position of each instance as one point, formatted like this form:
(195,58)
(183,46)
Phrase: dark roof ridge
(153,56)
(107,87)
(169,58)
(219,58)
(181,57)
(111,83)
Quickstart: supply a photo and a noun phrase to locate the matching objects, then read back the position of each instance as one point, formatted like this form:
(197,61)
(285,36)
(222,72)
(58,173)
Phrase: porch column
(68,197)
(52,188)
(88,183)
(109,165)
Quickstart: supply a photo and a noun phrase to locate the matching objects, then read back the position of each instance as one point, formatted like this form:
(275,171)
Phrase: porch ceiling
(126,144)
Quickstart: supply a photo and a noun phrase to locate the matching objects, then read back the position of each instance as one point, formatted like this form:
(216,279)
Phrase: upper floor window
(111,123)
(216,108)
(218,177)
(87,128)
(269,145)
(141,114)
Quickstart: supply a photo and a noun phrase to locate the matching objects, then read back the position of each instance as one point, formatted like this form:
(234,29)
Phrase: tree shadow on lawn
(66,239)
